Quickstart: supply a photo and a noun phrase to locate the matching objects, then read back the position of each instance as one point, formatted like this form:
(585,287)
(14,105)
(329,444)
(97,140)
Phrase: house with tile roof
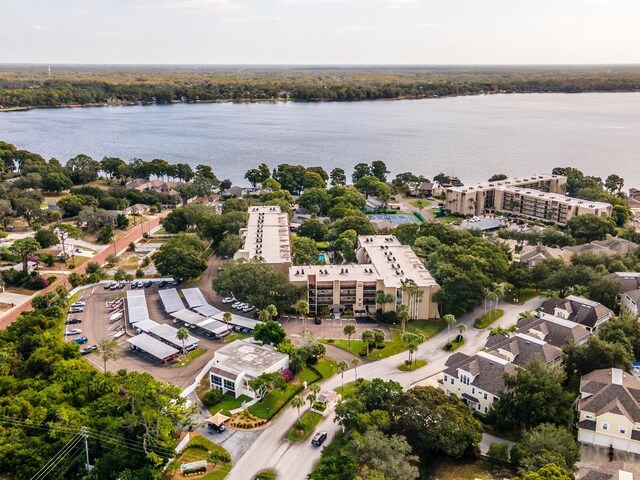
(587,313)
(609,410)
(611,471)
(532,255)
(630,303)
(553,330)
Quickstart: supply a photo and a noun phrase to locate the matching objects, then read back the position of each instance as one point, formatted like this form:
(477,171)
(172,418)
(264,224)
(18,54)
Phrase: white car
(79,303)
(248,308)
(235,304)
(240,306)
(73,331)
(228,300)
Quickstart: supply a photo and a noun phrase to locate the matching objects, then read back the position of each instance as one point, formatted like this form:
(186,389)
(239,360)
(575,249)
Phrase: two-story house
(587,313)
(609,409)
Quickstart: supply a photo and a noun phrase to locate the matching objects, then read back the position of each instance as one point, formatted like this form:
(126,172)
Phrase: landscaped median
(301,430)
(411,366)
(199,448)
(488,318)
(427,328)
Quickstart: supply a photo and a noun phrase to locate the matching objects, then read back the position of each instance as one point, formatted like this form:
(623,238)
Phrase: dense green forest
(33,86)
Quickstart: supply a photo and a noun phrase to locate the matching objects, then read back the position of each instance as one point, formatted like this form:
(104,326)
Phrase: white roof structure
(207,310)
(266,235)
(170,334)
(214,326)
(187,316)
(137,306)
(244,357)
(171,300)
(146,325)
(152,346)
(238,320)
(194,297)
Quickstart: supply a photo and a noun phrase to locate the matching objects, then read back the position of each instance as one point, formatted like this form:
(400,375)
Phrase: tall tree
(108,350)
(338,177)
(25,247)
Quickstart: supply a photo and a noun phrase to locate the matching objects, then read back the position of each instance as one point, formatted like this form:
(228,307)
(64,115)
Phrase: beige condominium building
(536,197)
(383,264)
(266,236)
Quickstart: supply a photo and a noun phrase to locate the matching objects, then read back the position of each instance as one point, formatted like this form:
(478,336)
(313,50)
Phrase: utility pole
(85,434)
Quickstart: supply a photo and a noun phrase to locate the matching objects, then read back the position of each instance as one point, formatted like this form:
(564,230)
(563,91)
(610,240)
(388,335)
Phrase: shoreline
(292,100)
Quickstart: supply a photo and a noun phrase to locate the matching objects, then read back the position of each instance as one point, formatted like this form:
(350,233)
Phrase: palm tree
(451,320)
(461,328)
(349,330)
(412,340)
(226,316)
(525,314)
(355,362)
(492,296)
(403,315)
(302,307)
(378,336)
(182,334)
(368,337)
(315,388)
(311,398)
(298,403)
(342,365)
(267,313)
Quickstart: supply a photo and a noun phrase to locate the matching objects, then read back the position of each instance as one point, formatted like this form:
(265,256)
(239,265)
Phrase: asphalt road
(294,461)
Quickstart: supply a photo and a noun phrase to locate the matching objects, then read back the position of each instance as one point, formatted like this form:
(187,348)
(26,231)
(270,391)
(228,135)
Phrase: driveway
(294,461)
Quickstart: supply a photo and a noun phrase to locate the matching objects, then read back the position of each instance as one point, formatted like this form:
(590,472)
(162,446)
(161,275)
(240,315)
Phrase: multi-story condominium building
(266,236)
(587,313)
(609,409)
(383,265)
(239,362)
(536,197)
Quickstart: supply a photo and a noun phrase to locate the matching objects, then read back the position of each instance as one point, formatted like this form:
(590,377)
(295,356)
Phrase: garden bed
(413,366)
(308,423)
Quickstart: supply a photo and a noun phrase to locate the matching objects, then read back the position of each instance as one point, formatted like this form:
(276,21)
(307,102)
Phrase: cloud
(427,25)
(38,28)
(200,5)
(389,3)
(254,18)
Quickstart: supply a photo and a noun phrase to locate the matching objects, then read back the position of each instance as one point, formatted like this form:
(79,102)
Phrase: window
(446,379)
(486,409)
(605,426)
(623,430)
(452,380)
(229,385)
(448,392)
(216,380)
(473,390)
(485,396)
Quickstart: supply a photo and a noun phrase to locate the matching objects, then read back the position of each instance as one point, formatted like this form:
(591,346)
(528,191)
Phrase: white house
(236,364)
(630,303)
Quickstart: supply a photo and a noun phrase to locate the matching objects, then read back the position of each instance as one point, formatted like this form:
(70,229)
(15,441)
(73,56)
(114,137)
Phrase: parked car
(162,283)
(319,438)
(88,349)
(248,308)
(73,321)
(80,340)
(73,331)
(76,310)
(113,286)
(78,250)
(216,428)
(228,300)
(79,303)
(317,320)
(235,304)
(175,283)
(148,283)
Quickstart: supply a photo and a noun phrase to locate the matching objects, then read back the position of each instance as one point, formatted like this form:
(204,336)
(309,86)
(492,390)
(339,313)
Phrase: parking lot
(96,326)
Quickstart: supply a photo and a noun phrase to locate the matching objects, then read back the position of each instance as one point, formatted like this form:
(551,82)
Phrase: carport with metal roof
(137,306)
(187,316)
(239,321)
(153,347)
(217,328)
(207,310)
(171,300)
(170,335)
(194,297)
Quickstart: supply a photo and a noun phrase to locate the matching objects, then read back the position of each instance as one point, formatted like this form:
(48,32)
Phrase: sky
(417,32)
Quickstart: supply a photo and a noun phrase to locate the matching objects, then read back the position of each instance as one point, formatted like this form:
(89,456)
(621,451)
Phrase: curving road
(294,461)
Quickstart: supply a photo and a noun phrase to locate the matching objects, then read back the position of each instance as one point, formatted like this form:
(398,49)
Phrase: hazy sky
(320,31)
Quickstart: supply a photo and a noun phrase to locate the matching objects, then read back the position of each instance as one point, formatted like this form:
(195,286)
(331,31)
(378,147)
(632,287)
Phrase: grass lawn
(451,469)
(189,357)
(266,475)
(416,203)
(308,375)
(396,345)
(327,368)
(235,336)
(454,345)
(428,328)
(348,390)
(228,403)
(488,318)
(309,421)
(199,448)
(414,366)
(274,401)
(525,294)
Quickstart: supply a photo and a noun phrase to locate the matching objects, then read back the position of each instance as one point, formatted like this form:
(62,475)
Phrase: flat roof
(194,297)
(395,262)
(188,316)
(330,273)
(207,310)
(171,300)
(558,197)
(266,235)
(170,334)
(243,356)
(507,182)
(146,325)
(137,306)
(239,320)
(154,347)
(214,326)
(484,224)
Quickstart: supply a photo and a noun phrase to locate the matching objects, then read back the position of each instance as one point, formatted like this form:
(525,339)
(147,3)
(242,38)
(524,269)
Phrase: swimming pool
(324,258)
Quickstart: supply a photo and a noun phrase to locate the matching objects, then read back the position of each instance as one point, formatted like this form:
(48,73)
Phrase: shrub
(390,317)
(212,397)
(448,346)
(287,374)
(499,452)
(38,283)
(93,267)
(139,273)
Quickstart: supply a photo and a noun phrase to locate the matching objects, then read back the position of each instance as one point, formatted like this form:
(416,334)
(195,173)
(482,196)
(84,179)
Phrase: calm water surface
(472,137)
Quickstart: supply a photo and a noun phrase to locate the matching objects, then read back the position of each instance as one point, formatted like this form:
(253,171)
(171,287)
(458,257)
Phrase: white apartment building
(536,197)
(383,264)
(239,362)
(266,236)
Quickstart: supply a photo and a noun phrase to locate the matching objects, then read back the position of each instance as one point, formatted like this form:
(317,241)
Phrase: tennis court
(395,219)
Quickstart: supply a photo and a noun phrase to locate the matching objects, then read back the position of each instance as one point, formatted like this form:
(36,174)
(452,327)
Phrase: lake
(471,137)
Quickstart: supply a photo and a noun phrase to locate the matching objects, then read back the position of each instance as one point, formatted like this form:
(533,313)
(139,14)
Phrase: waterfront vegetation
(28,86)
